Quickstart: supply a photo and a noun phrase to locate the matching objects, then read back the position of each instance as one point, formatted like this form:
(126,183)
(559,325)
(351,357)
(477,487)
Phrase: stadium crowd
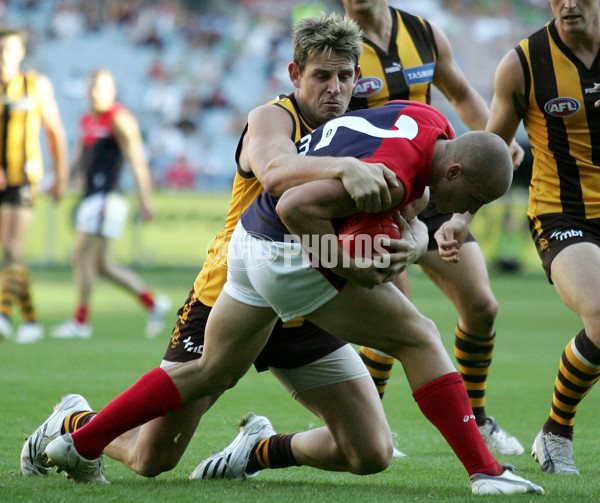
(179,64)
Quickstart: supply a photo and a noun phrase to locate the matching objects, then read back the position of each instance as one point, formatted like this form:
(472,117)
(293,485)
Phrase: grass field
(533,328)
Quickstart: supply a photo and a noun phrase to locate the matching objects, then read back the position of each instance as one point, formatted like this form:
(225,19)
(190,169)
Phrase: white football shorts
(103,214)
(342,365)
(266,273)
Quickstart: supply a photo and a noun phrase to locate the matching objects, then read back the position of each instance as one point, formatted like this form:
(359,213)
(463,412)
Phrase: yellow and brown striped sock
(578,371)
(24,278)
(76,420)
(10,288)
(474,356)
(272,452)
(379,366)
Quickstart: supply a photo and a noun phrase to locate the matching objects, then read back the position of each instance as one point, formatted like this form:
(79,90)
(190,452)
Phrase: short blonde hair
(325,35)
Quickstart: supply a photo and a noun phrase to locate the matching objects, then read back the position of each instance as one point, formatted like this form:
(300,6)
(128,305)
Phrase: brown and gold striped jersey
(246,189)
(403,72)
(563,126)
(20,119)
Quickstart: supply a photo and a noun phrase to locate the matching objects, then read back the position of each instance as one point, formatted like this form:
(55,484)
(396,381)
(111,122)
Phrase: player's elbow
(286,206)
(271,185)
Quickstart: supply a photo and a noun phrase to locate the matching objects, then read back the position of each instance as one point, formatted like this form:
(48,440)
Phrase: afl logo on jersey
(562,107)
(367,86)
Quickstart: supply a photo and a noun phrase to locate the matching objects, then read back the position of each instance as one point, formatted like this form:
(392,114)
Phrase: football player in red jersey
(109,136)
(415,142)
(403,56)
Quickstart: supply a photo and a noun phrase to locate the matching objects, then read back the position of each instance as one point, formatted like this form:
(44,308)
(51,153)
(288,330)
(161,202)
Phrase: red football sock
(444,401)
(81,314)
(146,299)
(154,395)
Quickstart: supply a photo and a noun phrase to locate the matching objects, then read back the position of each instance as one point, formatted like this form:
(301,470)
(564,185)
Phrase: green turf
(533,328)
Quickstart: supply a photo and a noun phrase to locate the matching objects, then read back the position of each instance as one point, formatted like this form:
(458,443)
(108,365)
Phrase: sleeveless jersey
(563,127)
(404,72)
(400,134)
(101,159)
(20,119)
(246,188)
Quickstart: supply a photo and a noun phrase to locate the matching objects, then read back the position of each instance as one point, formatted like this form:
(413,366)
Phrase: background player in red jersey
(109,136)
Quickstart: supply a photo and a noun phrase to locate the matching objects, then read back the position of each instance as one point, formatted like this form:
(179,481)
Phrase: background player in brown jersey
(28,103)
(109,136)
(551,82)
(403,55)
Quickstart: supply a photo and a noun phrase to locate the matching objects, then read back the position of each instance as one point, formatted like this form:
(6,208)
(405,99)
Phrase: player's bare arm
(451,236)
(508,104)
(57,139)
(453,84)
(309,209)
(129,138)
(467,102)
(273,157)
(75,174)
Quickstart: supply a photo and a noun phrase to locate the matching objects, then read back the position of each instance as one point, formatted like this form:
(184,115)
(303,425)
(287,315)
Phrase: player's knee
(483,311)
(376,458)
(219,382)
(152,466)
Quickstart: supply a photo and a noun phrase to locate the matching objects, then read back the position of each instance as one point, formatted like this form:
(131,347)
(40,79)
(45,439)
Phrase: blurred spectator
(201,61)
(180,175)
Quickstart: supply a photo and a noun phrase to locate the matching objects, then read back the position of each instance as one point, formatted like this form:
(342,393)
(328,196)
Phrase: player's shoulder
(424,114)
(415,107)
(280,109)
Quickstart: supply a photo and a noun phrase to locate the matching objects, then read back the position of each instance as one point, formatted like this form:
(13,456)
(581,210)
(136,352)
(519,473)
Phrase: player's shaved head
(486,162)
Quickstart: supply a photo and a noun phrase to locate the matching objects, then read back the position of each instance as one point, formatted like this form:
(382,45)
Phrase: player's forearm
(57,146)
(472,110)
(290,170)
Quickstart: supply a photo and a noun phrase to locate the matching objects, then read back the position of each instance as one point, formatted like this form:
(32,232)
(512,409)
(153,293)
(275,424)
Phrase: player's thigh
(15,222)
(235,335)
(88,247)
(353,413)
(381,317)
(576,277)
(466,281)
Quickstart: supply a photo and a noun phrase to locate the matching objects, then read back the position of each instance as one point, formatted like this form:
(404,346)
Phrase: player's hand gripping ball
(359,234)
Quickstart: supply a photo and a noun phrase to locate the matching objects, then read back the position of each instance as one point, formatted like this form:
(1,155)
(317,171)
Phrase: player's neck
(377,25)
(438,161)
(6,77)
(584,45)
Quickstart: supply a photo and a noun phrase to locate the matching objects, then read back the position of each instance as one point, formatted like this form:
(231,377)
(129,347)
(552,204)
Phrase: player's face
(325,88)
(12,52)
(576,16)
(102,92)
(459,196)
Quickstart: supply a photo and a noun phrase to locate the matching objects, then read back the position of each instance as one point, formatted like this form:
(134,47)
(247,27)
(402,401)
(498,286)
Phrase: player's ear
(295,74)
(356,74)
(454,171)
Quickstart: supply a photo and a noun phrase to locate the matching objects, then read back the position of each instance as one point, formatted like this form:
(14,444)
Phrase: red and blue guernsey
(101,159)
(400,134)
